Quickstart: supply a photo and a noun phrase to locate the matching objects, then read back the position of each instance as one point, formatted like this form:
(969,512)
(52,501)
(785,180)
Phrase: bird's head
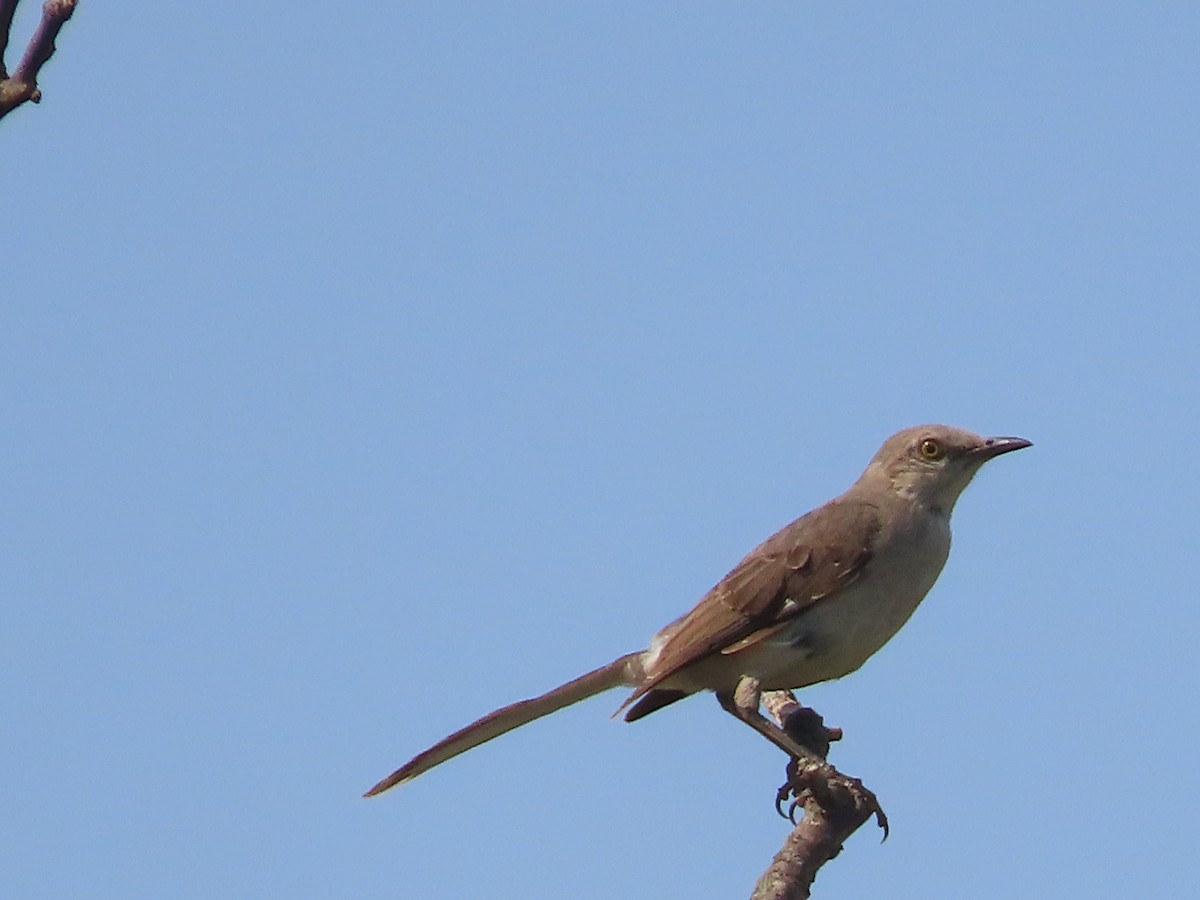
(932,464)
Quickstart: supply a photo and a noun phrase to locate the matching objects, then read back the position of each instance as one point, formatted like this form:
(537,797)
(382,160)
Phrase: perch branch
(22,86)
(832,806)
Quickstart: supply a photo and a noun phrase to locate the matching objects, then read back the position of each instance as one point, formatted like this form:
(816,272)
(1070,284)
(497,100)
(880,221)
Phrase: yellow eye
(931,449)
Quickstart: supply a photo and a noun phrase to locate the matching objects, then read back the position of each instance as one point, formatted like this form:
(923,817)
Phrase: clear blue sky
(366,368)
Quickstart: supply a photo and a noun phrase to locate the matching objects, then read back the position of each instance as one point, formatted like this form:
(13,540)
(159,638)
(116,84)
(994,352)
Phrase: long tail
(617,673)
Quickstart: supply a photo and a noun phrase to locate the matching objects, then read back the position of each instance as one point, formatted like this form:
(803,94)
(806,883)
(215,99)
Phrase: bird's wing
(802,564)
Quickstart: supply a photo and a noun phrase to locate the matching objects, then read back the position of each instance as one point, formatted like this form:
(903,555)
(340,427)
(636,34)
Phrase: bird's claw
(784,792)
(820,783)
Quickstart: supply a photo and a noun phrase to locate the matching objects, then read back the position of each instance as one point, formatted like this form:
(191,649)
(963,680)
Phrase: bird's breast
(839,633)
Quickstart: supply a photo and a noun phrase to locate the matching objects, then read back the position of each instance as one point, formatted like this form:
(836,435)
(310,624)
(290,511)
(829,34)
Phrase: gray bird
(811,603)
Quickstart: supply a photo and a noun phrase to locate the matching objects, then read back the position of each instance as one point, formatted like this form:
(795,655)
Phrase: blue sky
(367,369)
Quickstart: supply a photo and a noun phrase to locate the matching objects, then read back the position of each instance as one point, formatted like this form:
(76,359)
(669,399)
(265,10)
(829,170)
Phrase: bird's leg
(813,785)
(803,723)
(811,780)
(744,701)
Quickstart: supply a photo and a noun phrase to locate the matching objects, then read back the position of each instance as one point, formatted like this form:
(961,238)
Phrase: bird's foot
(814,787)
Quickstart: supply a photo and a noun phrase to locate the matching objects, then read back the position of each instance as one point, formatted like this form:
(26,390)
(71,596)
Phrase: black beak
(997,445)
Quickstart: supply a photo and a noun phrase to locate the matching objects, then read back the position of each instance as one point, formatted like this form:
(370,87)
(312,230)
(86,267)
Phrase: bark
(21,86)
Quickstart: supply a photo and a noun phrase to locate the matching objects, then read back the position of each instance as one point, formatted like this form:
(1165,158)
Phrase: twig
(832,805)
(22,85)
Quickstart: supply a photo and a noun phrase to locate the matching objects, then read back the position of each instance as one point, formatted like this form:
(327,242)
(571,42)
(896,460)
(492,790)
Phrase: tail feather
(652,702)
(505,719)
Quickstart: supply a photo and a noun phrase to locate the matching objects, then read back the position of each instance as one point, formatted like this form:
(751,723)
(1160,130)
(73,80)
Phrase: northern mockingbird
(809,604)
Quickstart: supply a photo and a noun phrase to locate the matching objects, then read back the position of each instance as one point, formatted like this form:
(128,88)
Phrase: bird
(809,604)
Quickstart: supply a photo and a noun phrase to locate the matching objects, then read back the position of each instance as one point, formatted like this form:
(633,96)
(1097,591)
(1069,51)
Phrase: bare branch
(22,85)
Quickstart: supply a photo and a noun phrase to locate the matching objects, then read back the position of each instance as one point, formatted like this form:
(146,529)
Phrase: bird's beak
(996,445)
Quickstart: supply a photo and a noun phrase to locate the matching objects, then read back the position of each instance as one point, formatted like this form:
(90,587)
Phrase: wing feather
(803,563)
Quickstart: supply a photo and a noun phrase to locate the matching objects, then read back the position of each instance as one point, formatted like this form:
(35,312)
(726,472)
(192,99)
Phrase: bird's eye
(930,449)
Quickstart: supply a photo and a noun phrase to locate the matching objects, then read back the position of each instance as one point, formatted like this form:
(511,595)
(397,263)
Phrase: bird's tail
(621,671)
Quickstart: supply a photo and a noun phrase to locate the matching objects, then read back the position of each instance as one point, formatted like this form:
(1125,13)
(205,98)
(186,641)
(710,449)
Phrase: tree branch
(832,805)
(22,85)
(8,9)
